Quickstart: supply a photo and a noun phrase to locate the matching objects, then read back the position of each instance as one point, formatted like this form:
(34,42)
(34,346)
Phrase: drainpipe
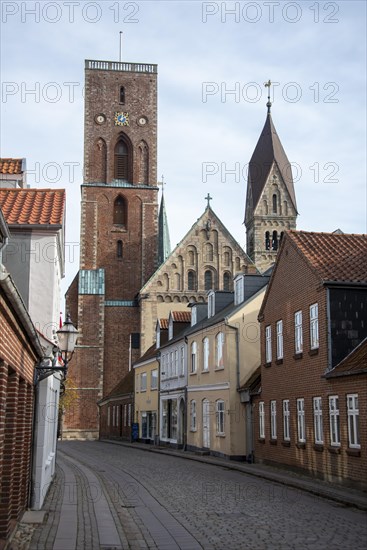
(237,352)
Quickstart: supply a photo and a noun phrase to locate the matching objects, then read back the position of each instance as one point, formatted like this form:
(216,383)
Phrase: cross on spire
(267,85)
(162,183)
(208,198)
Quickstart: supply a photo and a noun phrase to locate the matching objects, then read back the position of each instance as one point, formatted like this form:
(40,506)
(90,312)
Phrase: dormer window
(239,290)
(194,316)
(211,304)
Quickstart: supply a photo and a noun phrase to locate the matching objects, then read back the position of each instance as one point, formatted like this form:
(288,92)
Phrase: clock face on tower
(142,120)
(121,119)
(100,119)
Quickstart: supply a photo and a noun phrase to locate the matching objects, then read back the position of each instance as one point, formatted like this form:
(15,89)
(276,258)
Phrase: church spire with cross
(164,244)
(270,201)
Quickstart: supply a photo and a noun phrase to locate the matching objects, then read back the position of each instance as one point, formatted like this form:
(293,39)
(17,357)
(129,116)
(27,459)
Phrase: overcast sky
(213,59)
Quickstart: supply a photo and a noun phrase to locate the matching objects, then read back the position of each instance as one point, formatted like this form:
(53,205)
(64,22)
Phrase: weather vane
(162,183)
(267,85)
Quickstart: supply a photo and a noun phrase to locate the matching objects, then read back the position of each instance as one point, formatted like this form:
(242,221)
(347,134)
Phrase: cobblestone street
(110,496)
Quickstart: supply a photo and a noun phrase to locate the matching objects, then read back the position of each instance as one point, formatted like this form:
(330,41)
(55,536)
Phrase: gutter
(12,293)
(237,353)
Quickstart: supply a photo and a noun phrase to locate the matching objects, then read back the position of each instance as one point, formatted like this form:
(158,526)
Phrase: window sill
(261,440)
(193,430)
(286,443)
(314,351)
(297,356)
(301,445)
(273,442)
(192,373)
(319,447)
(353,452)
(220,435)
(279,362)
(334,450)
(206,371)
(219,368)
(267,365)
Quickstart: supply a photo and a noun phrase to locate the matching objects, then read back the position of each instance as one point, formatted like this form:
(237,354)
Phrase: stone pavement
(118,496)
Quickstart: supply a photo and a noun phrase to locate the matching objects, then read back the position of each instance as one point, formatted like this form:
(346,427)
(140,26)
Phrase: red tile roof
(33,206)
(181,316)
(354,363)
(11,166)
(335,257)
(163,324)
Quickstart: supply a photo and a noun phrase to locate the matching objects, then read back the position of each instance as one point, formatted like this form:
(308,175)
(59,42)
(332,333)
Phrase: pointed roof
(33,206)
(268,150)
(164,245)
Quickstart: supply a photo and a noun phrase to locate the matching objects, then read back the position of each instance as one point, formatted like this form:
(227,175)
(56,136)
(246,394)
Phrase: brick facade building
(314,315)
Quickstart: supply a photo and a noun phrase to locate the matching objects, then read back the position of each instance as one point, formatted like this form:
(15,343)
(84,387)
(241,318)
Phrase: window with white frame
(273,419)
(314,326)
(170,328)
(143,381)
(301,422)
(154,379)
(171,364)
(182,361)
(193,357)
(206,354)
(193,415)
(219,348)
(219,414)
(175,369)
(211,304)
(353,421)
(280,339)
(194,316)
(268,344)
(317,420)
(334,418)
(239,290)
(286,420)
(298,339)
(262,420)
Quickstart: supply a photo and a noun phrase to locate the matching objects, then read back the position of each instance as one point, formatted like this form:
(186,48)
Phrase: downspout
(237,353)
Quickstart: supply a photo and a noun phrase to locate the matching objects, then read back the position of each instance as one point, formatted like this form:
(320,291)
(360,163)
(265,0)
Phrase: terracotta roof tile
(181,316)
(33,206)
(354,363)
(11,166)
(335,257)
(163,324)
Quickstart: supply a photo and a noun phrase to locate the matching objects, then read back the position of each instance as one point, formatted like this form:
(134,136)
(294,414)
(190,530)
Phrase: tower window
(191,280)
(122,95)
(119,213)
(121,161)
(275,205)
(119,249)
(274,244)
(208,279)
(267,240)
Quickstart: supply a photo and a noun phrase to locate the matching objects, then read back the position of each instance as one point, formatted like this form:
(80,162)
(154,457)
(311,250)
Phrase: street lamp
(67,336)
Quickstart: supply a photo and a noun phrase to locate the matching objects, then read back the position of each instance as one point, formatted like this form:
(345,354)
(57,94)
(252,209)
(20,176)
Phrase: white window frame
(317,421)
(170,328)
(354,440)
(286,420)
(298,330)
(261,420)
(239,290)
(219,350)
(182,360)
(301,422)
(143,381)
(280,339)
(193,425)
(154,379)
(206,354)
(211,304)
(314,326)
(334,417)
(273,419)
(220,416)
(193,357)
(194,316)
(175,369)
(268,344)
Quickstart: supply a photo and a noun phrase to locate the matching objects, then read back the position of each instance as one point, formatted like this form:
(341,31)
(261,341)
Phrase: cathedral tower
(270,202)
(119,230)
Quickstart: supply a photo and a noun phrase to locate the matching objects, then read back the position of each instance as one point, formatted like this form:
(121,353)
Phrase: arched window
(208,279)
(209,252)
(226,281)
(177,281)
(206,354)
(191,258)
(275,206)
(119,249)
(122,95)
(119,211)
(191,280)
(274,243)
(267,240)
(121,161)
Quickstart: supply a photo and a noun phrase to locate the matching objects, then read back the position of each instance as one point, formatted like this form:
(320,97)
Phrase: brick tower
(119,231)
(271,201)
